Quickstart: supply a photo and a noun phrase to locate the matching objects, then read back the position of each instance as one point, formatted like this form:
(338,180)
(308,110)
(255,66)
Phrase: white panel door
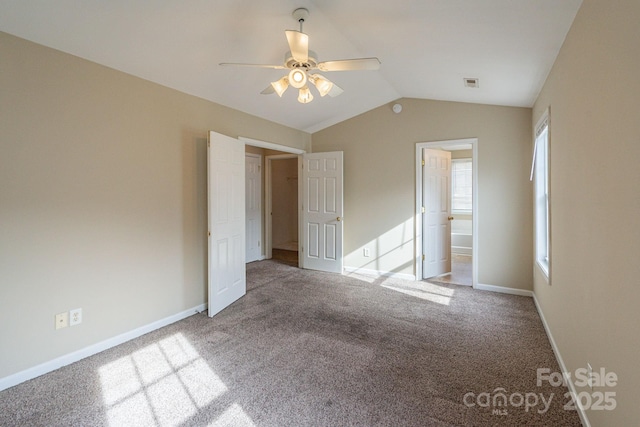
(227,273)
(436,220)
(322,211)
(253,206)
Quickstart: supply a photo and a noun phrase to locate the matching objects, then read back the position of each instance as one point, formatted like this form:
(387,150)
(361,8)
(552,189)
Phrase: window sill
(543,266)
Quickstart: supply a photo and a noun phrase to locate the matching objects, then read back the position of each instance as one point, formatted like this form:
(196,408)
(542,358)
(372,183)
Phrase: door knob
(339,218)
(450,218)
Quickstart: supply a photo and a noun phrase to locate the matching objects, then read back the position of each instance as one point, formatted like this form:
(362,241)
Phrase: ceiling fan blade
(238,64)
(350,64)
(299,45)
(335,91)
(268,90)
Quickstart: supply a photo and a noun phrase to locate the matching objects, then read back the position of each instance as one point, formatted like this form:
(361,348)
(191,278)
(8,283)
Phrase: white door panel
(436,218)
(322,175)
(253,206)
(226,191)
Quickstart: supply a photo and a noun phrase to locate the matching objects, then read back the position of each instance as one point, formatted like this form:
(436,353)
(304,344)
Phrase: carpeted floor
(305,348)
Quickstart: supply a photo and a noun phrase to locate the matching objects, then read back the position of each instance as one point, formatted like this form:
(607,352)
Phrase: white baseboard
(504,290)
(378,273)
(461,250)
(75,356)
(565,373)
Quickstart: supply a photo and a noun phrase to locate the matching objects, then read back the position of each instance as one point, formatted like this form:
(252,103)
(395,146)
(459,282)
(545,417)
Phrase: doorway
(461,239)
(282,207)
(321,214)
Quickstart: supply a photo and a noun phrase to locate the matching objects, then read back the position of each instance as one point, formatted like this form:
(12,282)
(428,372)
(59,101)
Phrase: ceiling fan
(301,62)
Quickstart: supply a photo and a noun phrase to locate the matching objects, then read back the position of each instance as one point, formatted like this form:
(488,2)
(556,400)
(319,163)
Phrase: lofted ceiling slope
(426,47)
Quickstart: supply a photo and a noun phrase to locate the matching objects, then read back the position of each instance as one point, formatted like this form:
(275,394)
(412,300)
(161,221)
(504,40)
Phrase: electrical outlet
(62,320)
(367,252)
(590,375)
(75,317)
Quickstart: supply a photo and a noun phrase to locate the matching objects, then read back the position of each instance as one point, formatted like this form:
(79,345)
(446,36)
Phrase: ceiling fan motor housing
(312,61)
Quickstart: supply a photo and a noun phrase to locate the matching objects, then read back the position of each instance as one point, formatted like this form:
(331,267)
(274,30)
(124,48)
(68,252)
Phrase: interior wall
(379,176)
(284,205)
(591,305)
(103,199)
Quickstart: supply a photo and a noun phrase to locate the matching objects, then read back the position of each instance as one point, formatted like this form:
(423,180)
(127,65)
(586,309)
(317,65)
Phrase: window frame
(541,177)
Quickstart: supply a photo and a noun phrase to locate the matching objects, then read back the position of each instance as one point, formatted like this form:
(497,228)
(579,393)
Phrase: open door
(436,217)
(226,191)
(253,206)
(322,212)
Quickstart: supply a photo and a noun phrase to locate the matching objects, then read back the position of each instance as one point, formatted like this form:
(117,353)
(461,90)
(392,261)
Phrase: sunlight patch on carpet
(162,384)
(426,291)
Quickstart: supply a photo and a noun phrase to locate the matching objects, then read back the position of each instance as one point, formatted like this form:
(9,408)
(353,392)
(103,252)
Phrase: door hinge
(423,257)
(301,248)
(423,162)
(422,210)
(258,243)
(209,233)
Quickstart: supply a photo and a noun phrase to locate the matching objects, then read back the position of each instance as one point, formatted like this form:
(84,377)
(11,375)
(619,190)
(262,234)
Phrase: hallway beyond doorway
(460,271)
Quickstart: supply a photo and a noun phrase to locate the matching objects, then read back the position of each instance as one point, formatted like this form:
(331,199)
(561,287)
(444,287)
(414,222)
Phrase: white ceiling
(426,47)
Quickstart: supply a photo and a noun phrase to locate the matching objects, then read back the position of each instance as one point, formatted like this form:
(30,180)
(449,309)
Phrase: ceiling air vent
(471,82)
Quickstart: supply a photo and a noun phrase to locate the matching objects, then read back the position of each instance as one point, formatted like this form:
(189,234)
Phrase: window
(540,175)
(461,185)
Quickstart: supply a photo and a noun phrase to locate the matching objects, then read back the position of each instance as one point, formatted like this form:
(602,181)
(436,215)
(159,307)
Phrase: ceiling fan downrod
(301,14)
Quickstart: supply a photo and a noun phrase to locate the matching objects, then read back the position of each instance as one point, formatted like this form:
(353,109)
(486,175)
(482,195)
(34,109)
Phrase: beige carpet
(305,348)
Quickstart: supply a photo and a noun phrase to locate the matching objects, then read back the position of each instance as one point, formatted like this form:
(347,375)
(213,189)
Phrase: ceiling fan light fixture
(304,95)
(323,85)
(297,78)
(281,85)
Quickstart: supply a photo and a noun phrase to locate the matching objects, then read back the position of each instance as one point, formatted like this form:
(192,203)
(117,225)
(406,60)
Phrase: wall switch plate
(62,320)
(367,252)
(75,317)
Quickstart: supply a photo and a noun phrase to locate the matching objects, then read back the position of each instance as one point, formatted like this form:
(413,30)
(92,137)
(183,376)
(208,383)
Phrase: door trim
(270,145)
(418,212)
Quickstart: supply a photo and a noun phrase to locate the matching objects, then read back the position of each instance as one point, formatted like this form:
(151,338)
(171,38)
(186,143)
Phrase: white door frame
(418,211)
(268,196)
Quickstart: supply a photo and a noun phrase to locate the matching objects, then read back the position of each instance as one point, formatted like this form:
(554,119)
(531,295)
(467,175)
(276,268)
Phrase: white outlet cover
(62,320)
(75,317)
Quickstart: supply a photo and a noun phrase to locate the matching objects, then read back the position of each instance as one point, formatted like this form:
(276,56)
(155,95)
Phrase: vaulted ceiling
(426,47)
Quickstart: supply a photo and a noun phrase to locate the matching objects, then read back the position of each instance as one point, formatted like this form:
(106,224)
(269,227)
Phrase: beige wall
(379,164)
(102,199)
(594,98)
(461,154)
